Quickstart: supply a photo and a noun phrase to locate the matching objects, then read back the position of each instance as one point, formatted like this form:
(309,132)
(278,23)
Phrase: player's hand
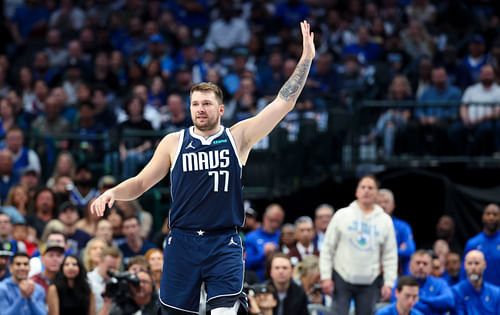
(99,205)
(386,293)
(328,286)
(308,50)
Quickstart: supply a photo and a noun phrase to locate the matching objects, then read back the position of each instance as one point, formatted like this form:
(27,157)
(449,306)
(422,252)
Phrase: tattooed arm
(248,132)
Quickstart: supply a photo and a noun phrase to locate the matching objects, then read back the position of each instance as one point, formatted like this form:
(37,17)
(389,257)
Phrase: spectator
(476,57)
(404,233)
(6,234)
(155,259)
(65,166)
(307,274)
(138,263)
(8,117)
(452,268)
(45,210)
(115,216)
(91,255)
(437,268)
(5,255)
(70,293)
(474,295)
(477,119)
(111,259)
(304,235)
(251,221)
(356,255)
(134,245)
(366,50)
(88,222)
(24,158)
(322,217)
(76,238)
(422,11)
(440,249)
(291,12)
(104,231)
(323,84)
(445,230)
(18,295)
(68,18)
(89,147)
(264,301)
(29,21)
(134,208)
(84,189)
(406,298)
(52,257)
(9,176)
(435,296)
(57,54)
(488,241)
(142,298)
(417,42)
(434,120)
(261,243)
(292,299)
(17,199)
(287,238)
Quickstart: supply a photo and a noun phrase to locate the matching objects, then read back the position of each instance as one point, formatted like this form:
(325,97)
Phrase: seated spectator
(5,255)
(45,210)
(18,198)
(9,177)
(104,231)
(416,40)
(84,189)
(264,301)
(176,115)
(88,223)
(18,294)
(91,255)
(307,274)
(29,21)
(251,221)
(138,263)
(70,292)
(115,216)
(264,241)
(452,268)
(476,57)
(65,166)
(8,118)
(155,259)
(68,17)
(135,245)
(89,148)
(134,208)
(435,296)
(440,250)
(304,234)
(407,293)
(323,83)
(76,238)
(24,157)
(292,299)
(21,233)
(52,257)
(474,295)
(366,50)
(104,115)
(287,238)
(57,53)
(111,259)
(394,119)
(437,268)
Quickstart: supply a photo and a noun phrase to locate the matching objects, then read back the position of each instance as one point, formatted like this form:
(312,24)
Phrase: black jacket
(295,302)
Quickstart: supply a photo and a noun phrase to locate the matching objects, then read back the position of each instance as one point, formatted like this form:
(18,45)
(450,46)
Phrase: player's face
(407,298)
(205,110)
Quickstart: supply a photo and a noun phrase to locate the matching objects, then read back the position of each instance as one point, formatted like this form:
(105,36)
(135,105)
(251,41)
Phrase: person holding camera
(263,299)
(134,294)
(111,259)
(70,293)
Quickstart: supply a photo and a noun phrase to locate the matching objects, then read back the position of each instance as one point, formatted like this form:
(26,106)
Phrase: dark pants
(365,296)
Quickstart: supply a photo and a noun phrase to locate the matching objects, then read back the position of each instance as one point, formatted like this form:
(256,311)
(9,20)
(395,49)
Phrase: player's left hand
(308,49)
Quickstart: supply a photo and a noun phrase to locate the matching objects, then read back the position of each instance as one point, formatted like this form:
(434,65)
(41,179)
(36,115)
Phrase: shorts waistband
(201,232)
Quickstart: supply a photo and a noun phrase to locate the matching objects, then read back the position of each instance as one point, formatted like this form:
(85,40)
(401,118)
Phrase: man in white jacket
(359,247)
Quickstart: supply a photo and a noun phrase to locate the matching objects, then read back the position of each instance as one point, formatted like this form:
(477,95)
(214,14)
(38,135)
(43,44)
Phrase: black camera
(118,284)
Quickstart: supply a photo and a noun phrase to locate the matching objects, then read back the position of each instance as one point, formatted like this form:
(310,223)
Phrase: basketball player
(205,163)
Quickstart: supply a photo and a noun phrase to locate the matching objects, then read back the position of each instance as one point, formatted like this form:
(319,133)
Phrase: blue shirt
(128,253)
(391,310)
(435,296)
(449,279)
(254,244)
(366,54)
(468,301)
(451,93)
(12,303)
(404,234)
(490,246)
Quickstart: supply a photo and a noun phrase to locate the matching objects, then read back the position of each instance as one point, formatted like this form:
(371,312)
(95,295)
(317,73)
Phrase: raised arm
(135,186)
(250,131)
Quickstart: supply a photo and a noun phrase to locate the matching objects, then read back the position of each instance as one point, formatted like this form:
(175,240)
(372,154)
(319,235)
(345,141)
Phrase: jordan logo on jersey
(190,145)
(199,161)
(232,242)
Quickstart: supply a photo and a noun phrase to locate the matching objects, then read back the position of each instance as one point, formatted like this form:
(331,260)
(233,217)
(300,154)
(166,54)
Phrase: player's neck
(207,133)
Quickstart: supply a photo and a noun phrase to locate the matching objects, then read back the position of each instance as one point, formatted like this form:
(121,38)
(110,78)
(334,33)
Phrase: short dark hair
(139,260)
(131,217)
(406,281)
(20,254)
(208,87)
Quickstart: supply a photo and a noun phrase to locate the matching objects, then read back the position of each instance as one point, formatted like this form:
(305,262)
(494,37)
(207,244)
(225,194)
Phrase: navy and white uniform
(207,207)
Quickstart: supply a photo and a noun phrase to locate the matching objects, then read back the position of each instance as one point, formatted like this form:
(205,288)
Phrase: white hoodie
(356,251)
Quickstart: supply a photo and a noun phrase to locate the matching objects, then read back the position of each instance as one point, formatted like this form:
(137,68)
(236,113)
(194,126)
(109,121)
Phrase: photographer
(110,261)
(263,300)
(137,297)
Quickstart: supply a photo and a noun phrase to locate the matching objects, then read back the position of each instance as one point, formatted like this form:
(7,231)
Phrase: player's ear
(221,109)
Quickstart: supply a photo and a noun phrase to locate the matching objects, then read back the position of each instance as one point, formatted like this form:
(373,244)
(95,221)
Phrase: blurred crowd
(80,81)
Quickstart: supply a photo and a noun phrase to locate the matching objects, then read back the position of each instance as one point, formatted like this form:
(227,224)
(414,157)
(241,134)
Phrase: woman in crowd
(18,198)
(307,274)
(91,255)
(89,222)
(70,293)
(65,166)
(155,259)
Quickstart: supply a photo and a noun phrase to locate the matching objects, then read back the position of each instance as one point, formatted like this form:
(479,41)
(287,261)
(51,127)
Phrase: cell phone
(317,288)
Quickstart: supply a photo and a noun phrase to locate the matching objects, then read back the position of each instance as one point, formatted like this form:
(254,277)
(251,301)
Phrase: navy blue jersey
(206,182)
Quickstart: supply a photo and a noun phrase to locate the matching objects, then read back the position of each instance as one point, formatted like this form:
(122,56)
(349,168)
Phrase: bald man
(264,241)
(488,242)
(474,295)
